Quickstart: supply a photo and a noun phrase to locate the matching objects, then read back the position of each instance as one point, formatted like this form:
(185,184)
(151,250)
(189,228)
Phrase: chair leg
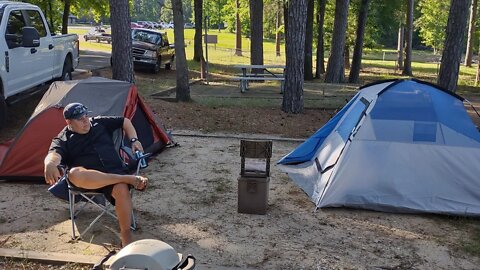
(133,225)
(71,201)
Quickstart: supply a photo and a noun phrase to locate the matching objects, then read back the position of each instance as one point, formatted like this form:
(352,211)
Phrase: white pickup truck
(30,54)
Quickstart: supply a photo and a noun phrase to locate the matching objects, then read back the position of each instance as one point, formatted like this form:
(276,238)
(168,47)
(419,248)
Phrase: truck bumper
(144,61)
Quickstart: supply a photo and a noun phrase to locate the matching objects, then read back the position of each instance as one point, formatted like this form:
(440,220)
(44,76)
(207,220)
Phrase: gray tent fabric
(104,90)
(401,146)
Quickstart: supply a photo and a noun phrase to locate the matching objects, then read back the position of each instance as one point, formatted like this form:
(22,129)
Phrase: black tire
(67,70)
(3,112)
(98,40)
(168,66)
(156,67)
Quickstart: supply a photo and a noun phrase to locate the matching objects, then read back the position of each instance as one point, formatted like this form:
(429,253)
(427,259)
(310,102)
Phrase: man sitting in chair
(86,146)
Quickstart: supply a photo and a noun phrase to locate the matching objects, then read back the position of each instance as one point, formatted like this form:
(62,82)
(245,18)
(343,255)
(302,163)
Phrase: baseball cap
(74,111)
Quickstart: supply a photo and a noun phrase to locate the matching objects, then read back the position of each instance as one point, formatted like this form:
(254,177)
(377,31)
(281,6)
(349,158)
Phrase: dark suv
(151,48)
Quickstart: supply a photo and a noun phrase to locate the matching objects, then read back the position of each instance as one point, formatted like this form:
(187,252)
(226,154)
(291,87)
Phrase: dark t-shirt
(94,150)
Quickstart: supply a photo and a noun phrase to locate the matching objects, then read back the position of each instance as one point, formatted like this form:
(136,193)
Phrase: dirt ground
(191,204)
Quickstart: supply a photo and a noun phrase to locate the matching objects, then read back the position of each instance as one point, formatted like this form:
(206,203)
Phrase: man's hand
(137,146)
(52,174)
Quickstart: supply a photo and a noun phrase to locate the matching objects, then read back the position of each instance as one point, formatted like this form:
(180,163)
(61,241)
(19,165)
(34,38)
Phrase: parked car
(135,25)
(151,48)
(189,25)
(98,34)
(32,54)
(145,24)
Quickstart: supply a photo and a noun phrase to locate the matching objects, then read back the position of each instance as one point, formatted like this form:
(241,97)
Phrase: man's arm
(131,133)
(51,162)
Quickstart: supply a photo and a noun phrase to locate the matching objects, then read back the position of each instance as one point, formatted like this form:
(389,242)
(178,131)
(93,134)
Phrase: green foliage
(214,10)
(384,18)
(95,10)
(230,16)
(146,10)
(432,22)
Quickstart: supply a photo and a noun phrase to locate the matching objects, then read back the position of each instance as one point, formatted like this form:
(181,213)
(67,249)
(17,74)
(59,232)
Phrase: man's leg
(93,179)
(123,208)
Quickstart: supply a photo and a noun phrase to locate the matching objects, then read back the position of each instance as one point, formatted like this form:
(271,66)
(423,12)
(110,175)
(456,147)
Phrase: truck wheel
(156,67)
(98,40)
(67,70)
(3,112)
(168,66)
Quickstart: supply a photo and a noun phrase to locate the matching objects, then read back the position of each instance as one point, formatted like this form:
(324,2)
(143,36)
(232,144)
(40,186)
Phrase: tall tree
(183,87)
(293,94)
(122,65)
(277,28)
(471,33)
(432,22)
(400,43)
(335,66)
(407,66)
(357,51)
(309,41)
(320,33)
(238,30)
(66,13)
(197,40)
(452,52)
(256,26)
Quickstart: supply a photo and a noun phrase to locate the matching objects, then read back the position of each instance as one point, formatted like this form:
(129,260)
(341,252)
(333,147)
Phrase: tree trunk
(238,26)
(407,69)
(183,88)
(285,19)
(50,11)
(277,26)
(293,94)
(335,66)
(400,43)
(477,78)
(197,44)
(122,65)
(66,13)
(358,50)
(309,41)
(256,27)
(471,33)
(452,52)
(320,47)
(346,57)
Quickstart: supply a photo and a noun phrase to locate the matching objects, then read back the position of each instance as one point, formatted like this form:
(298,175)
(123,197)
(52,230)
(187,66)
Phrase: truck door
(27,67)
(165,47)
(44,56)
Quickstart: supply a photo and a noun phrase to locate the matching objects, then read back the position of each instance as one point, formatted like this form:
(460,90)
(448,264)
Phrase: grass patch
(376,65)
(471,244)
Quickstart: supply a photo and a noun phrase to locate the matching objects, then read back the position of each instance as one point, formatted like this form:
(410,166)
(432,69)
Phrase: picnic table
(270,73)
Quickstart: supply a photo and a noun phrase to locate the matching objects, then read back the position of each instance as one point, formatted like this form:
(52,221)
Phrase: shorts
(106,190)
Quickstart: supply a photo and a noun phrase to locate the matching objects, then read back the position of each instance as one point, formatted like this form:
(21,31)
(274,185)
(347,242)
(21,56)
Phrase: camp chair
(255,158)
(79,198)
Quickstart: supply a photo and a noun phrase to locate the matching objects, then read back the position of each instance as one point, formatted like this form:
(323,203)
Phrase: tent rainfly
(397,146)
(22,157)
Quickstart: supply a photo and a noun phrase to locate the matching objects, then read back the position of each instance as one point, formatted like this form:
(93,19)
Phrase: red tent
(22,157)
